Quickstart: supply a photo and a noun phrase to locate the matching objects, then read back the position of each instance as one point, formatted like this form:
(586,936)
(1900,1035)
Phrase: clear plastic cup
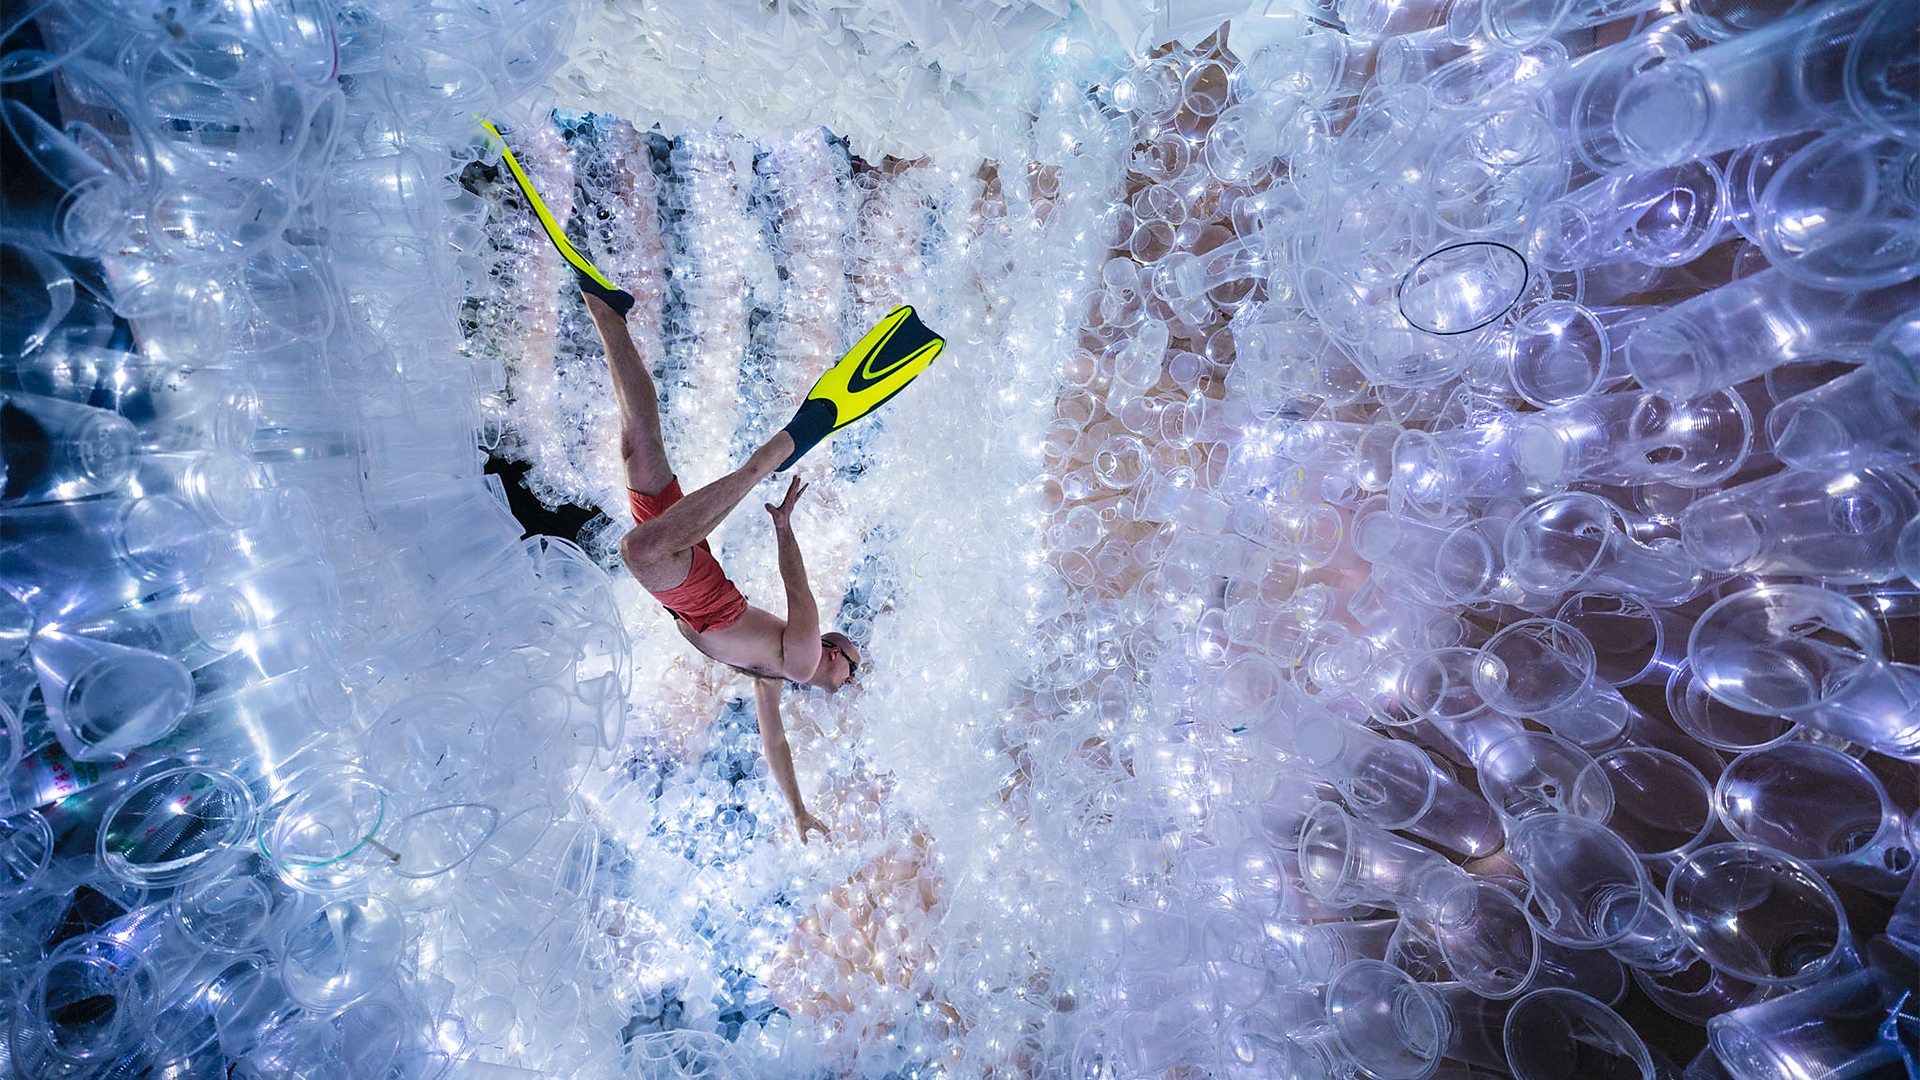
(1345,861)
(1586,888)
(436,839)
(1662,806)
(83,1006)
(346,952)
(1560,1033)
(26,849)
(1831,1028)
(1396,786)
(53,450)
(214,220)
(1636,439)
(1696,992)
(428,743)
(1716,724)
(59,21)
(104,700)
(78,558)
(36,293)
(1840,213)
(1809,656)
(329,831)
(1788,76)
(1519,23)
(1560,352)
(1489,174)
(1818,804)
(165,827)
(1750,326)
(1841,527)
(76,205)
(1543,670)
(1578,541)
(1462,287)
(1532,773)
(1853,421)
(232,904)
(1633,642)
(219,100)
(1760,915)
(1878,74)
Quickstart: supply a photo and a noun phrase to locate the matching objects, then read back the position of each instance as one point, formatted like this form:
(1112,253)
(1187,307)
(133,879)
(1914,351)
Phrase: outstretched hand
(805,822)
(783,514)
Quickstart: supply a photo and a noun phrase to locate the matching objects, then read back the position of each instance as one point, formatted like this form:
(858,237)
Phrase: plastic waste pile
(1484,480)
(1489,386)
(278,668)
(1406,569)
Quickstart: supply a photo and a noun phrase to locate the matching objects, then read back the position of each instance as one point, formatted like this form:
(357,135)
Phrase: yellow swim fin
(592,281)
(879,365)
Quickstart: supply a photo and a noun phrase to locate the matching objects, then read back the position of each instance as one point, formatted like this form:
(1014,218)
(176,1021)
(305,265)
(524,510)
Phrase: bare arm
(773,742)
(800,641)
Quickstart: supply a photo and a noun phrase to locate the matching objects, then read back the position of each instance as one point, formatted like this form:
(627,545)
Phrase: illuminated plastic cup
(1833,1027)
(345,953)
(1662,805)
(1543,670)
(1578,541)
(1716,724)
(26,849)
(1812,657)
(1760,915)
(1839,215)
(54,450)
(329,831)
(1585,887)
(1557,1033)
(86,1004)
(1716,99)
(105,700)
(1397,786)
(1533,772)
(170,823)
(1633,642)
(1840,527)
(1818,804)
(233,903)
(436,839)
(1854,421)
(1345,861)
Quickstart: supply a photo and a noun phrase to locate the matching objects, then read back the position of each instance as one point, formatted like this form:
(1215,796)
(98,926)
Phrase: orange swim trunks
(706,600)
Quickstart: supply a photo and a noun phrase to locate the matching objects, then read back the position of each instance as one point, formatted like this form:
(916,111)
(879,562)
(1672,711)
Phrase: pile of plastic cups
(1555,535)
(276,667)
(1478,633)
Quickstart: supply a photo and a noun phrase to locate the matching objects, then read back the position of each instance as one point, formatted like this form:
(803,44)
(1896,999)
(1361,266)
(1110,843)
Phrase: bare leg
(656,552)
(641,447)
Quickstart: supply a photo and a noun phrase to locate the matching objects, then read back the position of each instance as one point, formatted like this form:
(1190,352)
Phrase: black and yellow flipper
(879,365)
(592,281)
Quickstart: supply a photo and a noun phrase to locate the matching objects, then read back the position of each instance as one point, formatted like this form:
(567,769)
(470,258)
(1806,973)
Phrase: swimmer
(667,550)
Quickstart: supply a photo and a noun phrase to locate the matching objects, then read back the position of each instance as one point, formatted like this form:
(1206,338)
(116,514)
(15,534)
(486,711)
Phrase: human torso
(751,643)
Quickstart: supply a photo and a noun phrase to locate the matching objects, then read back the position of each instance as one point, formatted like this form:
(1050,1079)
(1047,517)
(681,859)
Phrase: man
(667,551)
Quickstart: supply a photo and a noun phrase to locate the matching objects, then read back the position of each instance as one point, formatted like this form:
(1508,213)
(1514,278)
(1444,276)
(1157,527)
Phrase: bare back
(750,644)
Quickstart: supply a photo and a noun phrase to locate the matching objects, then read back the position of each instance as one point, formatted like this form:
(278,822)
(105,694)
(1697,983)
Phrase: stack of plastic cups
(235,500)
(1482,499)
(1637,340)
